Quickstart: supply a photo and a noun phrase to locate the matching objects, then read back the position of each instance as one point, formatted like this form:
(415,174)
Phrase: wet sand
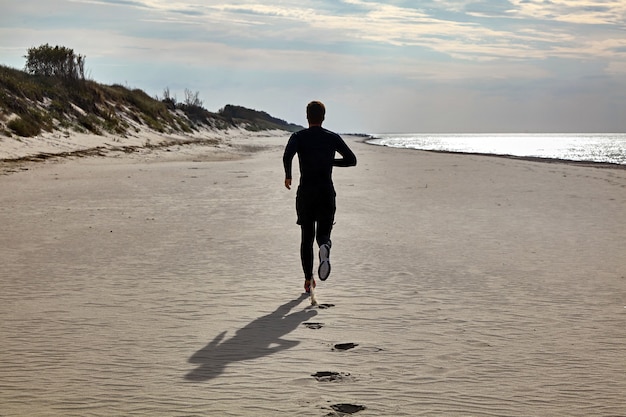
(168,283)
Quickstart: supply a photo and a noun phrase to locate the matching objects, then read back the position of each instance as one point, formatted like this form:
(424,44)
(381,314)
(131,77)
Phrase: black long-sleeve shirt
(316,149)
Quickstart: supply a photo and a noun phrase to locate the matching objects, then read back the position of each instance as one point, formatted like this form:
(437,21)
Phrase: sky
(391,66)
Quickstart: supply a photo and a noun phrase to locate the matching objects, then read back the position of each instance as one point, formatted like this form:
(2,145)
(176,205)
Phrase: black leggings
(316,214)
(310,232)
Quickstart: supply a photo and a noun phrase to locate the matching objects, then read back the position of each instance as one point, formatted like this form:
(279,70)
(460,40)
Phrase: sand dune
(168,284)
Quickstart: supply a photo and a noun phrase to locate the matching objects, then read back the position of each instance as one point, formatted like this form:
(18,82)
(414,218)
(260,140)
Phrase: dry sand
(169,284)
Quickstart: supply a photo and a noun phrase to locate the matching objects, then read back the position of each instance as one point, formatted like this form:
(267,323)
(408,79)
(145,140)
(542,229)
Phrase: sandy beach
(167,282)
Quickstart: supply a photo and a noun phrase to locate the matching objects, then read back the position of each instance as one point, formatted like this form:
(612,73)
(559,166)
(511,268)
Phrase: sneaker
(324,269)
(307,285)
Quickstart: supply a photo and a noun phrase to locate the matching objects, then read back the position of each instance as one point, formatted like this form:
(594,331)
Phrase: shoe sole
(324,269)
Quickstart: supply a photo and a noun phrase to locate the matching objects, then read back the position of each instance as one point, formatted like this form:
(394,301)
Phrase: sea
(607,148)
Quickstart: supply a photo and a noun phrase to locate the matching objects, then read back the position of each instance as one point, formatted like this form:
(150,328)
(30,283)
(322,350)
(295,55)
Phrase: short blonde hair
(315,112)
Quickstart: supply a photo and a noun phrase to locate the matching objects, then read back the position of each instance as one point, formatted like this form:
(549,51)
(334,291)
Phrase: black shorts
(315,205)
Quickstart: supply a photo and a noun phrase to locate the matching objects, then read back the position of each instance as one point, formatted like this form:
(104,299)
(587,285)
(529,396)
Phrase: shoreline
(589,164)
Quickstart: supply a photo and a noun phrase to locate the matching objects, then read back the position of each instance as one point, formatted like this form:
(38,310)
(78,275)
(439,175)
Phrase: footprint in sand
(345,346)
(344,409)
(314,326)
(362,349)
(332,376)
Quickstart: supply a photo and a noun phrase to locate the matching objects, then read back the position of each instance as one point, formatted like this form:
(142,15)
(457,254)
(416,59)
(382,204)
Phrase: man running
(315,198)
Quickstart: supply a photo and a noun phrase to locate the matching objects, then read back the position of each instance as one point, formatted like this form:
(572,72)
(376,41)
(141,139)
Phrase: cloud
(586,12)
(486,53)
(466,30)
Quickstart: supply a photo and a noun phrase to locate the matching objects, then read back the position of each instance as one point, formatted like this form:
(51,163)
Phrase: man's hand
(288,183)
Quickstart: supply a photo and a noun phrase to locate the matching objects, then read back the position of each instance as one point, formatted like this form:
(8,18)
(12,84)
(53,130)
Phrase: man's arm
(290,151)
(348,159)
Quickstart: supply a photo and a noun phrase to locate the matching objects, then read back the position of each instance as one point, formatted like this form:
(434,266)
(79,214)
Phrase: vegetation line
(52,94)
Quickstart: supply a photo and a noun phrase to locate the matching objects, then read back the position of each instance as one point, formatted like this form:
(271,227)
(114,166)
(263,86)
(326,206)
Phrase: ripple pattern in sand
(159,290)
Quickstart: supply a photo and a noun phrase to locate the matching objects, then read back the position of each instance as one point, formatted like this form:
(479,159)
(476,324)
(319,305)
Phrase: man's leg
(306,248)
(326,217)
(324,228)
(306,221)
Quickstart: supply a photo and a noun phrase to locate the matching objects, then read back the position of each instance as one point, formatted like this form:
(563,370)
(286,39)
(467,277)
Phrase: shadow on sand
(262,337)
